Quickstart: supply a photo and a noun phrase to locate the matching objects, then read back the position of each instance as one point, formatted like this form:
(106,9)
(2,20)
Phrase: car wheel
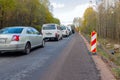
(27,48)
(57,39)
(43,43)
(61,37)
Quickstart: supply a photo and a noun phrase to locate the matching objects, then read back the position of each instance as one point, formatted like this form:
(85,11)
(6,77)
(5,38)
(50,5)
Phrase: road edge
(105,72)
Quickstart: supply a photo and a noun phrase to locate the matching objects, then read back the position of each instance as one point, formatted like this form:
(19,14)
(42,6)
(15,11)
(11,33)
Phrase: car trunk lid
(6,38)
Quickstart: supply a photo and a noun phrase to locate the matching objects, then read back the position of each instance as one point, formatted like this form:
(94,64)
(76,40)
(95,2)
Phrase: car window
(58,27)
(63,28)
(49,27)
(35,31)
(29,31)
(11,31)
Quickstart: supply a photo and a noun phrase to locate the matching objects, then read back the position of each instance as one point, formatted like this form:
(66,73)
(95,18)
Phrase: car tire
(43,44)
(66,36)
(61,38)
(27,48)
(57,39)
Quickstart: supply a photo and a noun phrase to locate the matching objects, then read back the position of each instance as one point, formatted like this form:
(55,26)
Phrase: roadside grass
(114,59)
(105,50)
(116,71)
(102,53)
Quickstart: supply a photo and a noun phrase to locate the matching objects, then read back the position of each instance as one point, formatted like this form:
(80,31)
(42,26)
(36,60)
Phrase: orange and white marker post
(93,42)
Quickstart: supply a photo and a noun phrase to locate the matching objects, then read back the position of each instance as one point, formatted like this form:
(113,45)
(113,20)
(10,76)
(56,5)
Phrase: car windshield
(49,27)
(11,31)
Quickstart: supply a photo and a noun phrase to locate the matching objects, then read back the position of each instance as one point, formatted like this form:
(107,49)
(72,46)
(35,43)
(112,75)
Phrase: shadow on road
(11,54)
(17,54)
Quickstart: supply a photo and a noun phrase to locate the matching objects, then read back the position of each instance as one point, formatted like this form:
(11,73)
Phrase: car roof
(19,27)
(50,24)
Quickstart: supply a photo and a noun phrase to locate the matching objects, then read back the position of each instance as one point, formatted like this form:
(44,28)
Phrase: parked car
(65,31)
(69,29)
(20,38)
(52,32)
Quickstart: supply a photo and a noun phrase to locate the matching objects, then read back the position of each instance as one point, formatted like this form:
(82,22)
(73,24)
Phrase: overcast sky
(66,10)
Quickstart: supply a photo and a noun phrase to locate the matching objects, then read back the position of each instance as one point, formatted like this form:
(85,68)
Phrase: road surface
(67,59)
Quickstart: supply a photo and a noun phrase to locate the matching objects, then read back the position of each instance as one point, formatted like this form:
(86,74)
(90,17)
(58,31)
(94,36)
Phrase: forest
(106,22)
(26,13)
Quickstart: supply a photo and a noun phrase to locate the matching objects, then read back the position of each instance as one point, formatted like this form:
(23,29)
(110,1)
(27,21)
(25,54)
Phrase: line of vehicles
(55,31)
(23,39)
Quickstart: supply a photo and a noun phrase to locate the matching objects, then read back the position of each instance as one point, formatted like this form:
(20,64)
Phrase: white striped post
(93,42)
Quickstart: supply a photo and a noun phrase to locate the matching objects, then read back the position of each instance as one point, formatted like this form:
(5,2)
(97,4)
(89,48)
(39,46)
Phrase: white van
(51,32)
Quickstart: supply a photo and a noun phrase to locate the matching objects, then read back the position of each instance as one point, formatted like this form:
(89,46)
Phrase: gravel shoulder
(105,71)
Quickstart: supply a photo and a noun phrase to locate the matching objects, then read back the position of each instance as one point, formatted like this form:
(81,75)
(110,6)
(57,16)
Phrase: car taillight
(56,34)
(15,38)
(66,32)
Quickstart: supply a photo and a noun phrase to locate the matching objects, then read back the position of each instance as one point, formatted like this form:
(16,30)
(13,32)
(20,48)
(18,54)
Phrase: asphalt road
(67,59)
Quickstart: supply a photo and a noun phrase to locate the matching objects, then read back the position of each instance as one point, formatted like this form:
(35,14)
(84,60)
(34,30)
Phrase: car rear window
(49,27)
(63,28)
(11,31)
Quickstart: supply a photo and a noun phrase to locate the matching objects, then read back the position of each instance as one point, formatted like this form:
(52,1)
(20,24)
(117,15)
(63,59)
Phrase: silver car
(20,38)
(65,31)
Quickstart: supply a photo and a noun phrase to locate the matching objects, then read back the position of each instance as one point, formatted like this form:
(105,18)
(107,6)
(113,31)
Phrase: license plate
(48,33)
(2,40)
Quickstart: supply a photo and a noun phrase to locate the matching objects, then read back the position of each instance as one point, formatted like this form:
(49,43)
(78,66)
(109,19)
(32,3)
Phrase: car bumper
(51,38)
(64,35)
(11,47)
